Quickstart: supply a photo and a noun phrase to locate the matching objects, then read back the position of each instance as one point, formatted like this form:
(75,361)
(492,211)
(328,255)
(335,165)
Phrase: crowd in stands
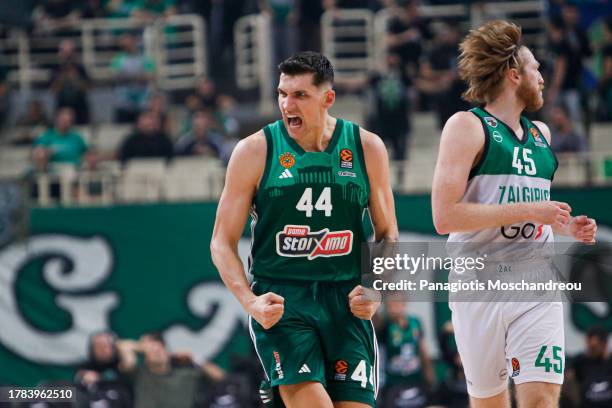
(421,72)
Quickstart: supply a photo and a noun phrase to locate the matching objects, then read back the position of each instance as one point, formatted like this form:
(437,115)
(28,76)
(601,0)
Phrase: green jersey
(403,352)
(307,215)
(510,171)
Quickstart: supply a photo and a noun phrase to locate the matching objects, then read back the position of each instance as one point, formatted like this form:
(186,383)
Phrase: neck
(508,108)
(317,139)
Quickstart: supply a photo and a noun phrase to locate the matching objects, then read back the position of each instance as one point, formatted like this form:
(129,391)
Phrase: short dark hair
(309,62)
(598,332)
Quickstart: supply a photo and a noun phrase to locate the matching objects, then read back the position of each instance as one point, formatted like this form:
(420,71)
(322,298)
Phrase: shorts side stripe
(377,367)
(252,334)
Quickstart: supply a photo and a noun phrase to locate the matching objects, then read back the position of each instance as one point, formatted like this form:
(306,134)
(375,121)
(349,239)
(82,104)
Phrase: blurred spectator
(148,10)
(593,370)
(147,140)
(406,34)
(570,45)
(60,144)
(100,376)
(391,117)
(408,366)
(134,73)
(208,98)
(31,123)
(95,9)
(202,139)
(163,380)
(52,15)
(438,76)
(34,115)
(120,8)
(69,83)
(283,17)
(605,83)
(564,137)
(309,23)
(452,393)
(4,95)
(158,105)
(205,95)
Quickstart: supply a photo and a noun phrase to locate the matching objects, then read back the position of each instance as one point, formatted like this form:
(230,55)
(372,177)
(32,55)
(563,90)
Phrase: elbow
(441,223)
(215,249)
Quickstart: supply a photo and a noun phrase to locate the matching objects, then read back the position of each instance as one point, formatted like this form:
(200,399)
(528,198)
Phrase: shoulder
(464,125)
(544,129)
(372,144)
(252,146)
(463,119)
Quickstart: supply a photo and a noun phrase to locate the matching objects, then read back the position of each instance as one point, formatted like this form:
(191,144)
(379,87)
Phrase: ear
(330,98)
(513,76)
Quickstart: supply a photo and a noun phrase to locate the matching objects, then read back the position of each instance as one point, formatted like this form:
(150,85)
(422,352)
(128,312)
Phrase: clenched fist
(267,309)
(583,229)
(363,302)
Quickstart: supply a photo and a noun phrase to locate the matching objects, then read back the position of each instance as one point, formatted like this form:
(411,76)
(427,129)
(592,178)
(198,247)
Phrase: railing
(201,179)
(253,49)
(348,39)
(176,43)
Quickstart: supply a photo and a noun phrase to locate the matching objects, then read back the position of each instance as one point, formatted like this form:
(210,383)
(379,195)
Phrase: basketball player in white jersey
(492,184)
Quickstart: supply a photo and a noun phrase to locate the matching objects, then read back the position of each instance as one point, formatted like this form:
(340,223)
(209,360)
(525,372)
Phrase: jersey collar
(330,147)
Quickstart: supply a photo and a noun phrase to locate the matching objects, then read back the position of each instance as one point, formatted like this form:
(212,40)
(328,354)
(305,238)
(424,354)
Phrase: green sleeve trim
(549,148)
(359,146)
(269,152)
(485,151)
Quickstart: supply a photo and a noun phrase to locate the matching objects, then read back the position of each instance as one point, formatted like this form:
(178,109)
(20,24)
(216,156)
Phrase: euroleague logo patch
(536,137)
(340,370)
(299,241)
(491,121)
(346,159)
(516,367)
(287,160)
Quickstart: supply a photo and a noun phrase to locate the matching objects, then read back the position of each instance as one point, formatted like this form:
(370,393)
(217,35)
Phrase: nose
(288,103)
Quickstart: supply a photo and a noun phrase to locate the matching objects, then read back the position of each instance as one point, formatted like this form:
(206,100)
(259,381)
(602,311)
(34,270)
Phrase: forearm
(465,217)
(232,273)
(562,229)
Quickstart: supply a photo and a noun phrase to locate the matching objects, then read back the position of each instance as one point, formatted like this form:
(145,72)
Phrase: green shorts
(318,339)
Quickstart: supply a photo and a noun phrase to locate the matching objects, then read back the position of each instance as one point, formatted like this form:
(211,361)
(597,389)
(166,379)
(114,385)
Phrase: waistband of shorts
(305,283)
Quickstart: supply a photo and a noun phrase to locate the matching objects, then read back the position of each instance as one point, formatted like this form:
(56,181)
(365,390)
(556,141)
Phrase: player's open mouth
(294,122)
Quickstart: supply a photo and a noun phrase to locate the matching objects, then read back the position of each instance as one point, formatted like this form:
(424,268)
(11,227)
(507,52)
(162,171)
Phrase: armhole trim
(549,148)
(269,152)
(474,171)
(359,146)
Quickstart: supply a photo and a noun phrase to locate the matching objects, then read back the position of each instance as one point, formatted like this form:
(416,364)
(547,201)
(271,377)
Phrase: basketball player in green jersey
(307,181)
(492,184)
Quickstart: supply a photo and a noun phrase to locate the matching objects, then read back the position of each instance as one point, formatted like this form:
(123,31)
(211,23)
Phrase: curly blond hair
(486,54)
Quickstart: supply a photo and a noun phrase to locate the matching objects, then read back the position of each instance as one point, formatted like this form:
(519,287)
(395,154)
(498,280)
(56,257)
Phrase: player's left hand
(583,229)
(363,302)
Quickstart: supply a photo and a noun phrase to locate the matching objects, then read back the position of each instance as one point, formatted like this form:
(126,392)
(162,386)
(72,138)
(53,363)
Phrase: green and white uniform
(307,234)
(496,339)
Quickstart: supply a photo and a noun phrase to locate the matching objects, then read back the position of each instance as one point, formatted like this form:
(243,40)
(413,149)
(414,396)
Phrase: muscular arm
(243,172)
(363,302)
(382,206)
(461,143)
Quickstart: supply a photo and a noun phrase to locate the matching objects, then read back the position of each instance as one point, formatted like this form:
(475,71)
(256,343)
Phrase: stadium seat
(141,180)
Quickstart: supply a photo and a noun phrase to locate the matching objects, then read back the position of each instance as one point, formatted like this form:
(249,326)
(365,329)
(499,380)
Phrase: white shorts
(521,340)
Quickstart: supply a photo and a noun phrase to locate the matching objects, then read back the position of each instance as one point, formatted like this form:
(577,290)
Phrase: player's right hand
(267,309)
(552,212)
